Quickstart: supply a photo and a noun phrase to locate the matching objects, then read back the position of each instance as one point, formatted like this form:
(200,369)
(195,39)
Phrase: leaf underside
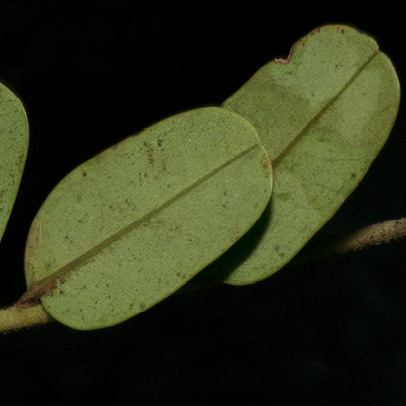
(323,114)
(132,225)
(14,136)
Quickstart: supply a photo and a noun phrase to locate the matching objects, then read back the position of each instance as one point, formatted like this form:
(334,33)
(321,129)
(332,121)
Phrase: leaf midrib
(310,124)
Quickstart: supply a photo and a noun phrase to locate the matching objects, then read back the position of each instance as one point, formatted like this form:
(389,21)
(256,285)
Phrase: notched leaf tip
(287,60)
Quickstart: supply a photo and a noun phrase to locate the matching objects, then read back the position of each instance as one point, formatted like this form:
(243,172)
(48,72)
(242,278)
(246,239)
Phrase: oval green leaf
(324,113)
(14,136)
(132,225)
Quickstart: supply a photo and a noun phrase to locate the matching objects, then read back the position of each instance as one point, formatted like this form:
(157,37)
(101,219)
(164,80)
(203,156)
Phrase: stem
(28,313)
(375,234)
(14,318)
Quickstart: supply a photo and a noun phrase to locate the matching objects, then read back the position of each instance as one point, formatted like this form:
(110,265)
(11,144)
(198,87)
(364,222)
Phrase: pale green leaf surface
(132,225)
(323,114)
(13,151)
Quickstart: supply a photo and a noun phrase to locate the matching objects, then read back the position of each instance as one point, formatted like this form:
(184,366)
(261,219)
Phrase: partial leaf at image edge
(324,114)
(131,226)
(14,136)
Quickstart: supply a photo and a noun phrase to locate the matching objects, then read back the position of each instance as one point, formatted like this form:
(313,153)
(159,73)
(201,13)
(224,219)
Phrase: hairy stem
(372,235)
(14,318)
(32,313)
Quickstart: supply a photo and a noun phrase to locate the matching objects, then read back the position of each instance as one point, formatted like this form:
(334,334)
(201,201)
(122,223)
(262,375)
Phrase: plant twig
(14,318)
(372,235)
(18,316)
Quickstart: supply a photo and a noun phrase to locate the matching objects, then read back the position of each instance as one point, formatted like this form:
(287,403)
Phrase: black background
(331,332)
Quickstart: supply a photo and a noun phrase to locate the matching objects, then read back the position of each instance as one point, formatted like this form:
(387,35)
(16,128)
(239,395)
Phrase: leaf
(132,225)
(13,151)
(324,113)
